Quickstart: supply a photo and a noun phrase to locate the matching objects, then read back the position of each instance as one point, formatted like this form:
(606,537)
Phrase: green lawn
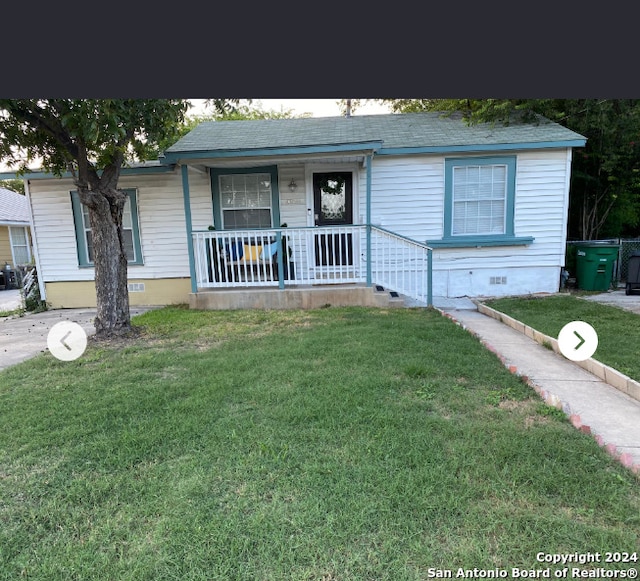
(334,444)
(618,330)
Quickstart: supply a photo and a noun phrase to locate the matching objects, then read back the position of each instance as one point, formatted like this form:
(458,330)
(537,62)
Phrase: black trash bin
(633,274)
(9,279)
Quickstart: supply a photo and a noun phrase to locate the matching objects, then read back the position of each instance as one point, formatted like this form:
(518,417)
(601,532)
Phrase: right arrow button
(587,340)
(581,340)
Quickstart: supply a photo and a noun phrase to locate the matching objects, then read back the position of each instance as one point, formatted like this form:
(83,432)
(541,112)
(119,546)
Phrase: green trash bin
(594,265)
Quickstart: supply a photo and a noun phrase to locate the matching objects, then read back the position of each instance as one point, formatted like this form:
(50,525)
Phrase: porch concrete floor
(336,294)
(293,297)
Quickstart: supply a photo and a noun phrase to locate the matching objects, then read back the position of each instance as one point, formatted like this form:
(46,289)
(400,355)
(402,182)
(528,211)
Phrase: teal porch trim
(369,275)
(187,218)
(280,260)
(430,277)
(173,157)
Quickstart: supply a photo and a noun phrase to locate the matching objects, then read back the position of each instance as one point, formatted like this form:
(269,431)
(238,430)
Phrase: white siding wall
(163,234)
(201,202)
(293,205)
(161,219)
(407,195)
(408,198)
(54,230)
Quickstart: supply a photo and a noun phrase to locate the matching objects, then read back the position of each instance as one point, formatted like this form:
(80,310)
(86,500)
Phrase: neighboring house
(15,239)
(421,204)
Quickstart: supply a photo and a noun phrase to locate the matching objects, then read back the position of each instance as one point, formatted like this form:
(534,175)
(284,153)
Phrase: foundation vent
(497,280)
(136,287)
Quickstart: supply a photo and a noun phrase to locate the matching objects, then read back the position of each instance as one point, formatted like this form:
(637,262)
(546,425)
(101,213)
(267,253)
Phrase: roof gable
(14,207)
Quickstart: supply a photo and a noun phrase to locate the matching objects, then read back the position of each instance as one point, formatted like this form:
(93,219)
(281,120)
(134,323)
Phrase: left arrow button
(67,340)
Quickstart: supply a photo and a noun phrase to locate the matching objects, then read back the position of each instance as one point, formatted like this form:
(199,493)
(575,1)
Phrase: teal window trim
(81,242)
(461,240)
(480,241)
(272,170)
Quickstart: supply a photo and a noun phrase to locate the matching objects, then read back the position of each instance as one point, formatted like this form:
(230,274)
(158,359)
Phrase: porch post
(430,275)
(187,219)
(369,159)
(280,259)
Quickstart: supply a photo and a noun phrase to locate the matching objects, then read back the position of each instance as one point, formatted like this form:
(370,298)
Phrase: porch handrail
(308,255)
(410,241)
(402,264)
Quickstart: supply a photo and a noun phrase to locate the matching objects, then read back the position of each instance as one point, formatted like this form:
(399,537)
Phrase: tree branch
(48,124)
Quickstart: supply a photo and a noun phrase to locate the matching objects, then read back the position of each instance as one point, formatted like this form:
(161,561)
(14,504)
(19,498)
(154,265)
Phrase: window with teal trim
(245,198)
(130,230)
(479,199)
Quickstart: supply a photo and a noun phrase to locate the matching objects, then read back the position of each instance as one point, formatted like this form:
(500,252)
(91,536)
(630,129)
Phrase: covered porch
(292,221)
(310,260)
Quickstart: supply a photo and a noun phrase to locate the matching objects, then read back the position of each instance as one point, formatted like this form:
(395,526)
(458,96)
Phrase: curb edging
(549,398)
(608,374)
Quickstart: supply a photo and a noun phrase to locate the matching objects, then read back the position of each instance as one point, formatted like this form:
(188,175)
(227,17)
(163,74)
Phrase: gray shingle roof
(414,130)
(13,207)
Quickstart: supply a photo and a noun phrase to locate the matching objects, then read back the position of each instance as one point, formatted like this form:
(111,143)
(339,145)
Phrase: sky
(317,107)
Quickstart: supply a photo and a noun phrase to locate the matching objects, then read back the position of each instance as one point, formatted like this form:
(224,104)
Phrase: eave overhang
(221,154)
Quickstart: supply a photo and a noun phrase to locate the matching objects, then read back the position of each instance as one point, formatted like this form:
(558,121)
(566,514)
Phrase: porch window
(19,238)
(246,201)
(245,198)
(130,230)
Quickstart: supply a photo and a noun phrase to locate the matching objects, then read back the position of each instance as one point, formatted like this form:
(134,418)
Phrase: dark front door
(333,206)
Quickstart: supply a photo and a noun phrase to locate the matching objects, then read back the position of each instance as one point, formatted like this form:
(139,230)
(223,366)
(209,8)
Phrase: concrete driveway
(618,298)
(10,300)
(24,337)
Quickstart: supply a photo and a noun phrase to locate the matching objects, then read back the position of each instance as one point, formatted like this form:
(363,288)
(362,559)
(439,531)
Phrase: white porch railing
(401,264)
(280,257)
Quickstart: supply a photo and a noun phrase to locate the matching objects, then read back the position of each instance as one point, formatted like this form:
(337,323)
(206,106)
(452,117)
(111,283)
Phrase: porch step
(300,297)
(385,298)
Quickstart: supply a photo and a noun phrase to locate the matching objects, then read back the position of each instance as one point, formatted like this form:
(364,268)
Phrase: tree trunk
(110,261)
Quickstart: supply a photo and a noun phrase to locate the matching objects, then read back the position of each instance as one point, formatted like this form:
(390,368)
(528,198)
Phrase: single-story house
(268,212)
(15,238)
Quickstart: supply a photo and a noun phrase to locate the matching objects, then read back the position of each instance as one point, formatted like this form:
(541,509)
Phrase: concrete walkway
(593,406)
